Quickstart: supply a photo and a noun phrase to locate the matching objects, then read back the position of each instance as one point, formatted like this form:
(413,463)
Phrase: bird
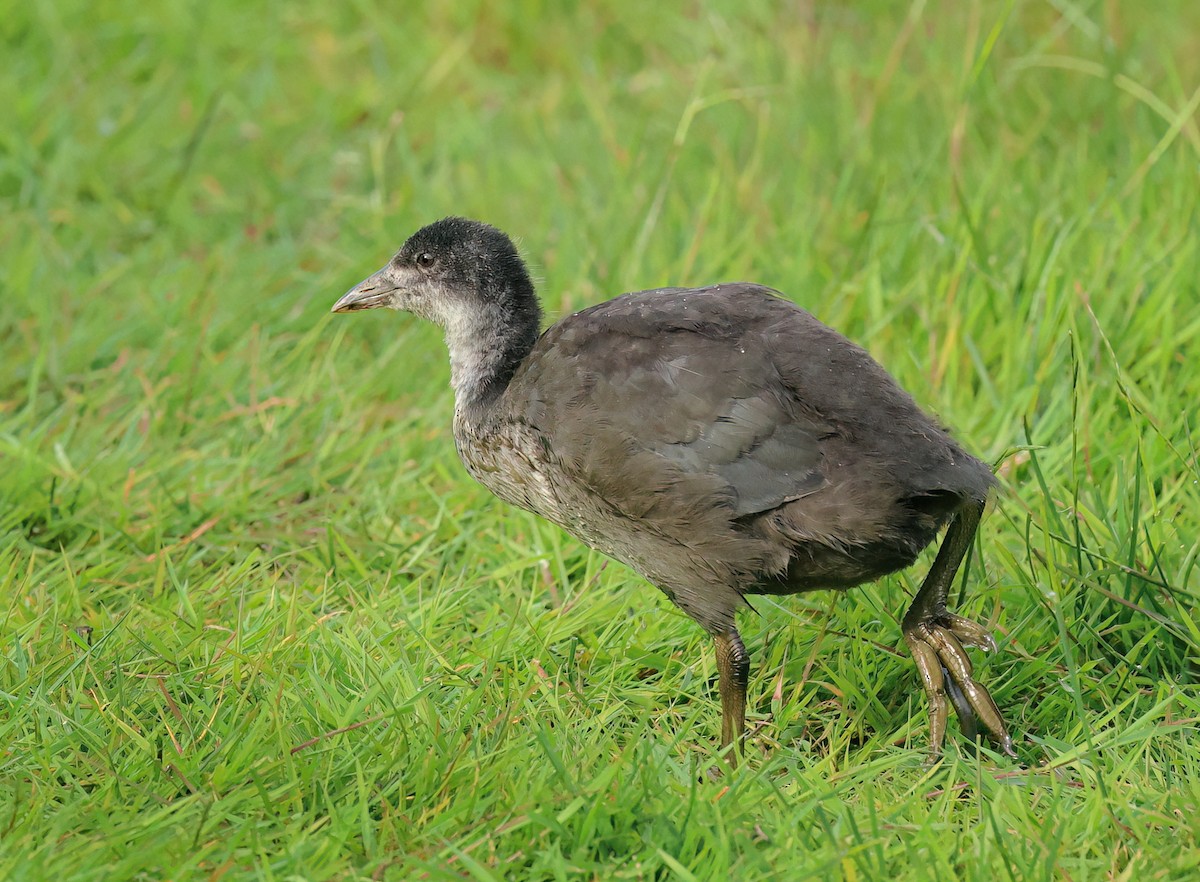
(720,441)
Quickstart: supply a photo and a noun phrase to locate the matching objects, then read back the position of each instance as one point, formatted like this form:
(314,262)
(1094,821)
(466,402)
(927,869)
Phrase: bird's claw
(937,648)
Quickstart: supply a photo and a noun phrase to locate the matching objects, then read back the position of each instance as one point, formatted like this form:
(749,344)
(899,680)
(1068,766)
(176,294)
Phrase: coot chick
(720,441)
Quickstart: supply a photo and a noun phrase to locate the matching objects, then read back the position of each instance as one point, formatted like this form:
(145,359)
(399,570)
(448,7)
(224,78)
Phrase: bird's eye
(425,259)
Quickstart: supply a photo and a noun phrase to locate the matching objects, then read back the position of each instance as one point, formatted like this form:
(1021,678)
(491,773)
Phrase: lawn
(256,622)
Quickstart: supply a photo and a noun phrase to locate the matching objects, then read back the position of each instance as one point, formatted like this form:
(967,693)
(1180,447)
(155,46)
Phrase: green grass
(257,623)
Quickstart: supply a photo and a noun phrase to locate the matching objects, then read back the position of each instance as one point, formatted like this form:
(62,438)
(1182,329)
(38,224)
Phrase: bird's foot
(936,643)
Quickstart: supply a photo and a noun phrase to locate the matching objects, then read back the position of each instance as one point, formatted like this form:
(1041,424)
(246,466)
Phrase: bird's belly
(697,573)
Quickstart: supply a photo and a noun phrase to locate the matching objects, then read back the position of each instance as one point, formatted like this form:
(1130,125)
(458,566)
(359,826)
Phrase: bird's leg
(733,669)
(936,638)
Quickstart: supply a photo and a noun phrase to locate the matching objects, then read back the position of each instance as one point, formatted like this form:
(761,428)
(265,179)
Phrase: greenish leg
(733,670)
(936,638)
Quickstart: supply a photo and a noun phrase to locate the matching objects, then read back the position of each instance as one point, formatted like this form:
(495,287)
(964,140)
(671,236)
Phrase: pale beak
(371,292)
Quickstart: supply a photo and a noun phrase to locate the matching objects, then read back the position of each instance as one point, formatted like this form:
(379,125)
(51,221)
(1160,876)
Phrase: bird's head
(467,277)
(447,271)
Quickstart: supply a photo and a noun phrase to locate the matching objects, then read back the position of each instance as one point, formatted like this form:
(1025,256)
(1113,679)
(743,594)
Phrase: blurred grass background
(257,623)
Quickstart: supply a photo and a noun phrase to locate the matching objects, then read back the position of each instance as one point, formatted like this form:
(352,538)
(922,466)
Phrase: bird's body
(720,441)
(738,433)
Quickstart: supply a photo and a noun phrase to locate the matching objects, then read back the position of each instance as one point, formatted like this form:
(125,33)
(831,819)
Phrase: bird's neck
(486,348)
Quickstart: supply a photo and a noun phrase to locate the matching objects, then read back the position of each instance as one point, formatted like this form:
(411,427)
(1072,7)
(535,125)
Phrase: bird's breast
(510,461)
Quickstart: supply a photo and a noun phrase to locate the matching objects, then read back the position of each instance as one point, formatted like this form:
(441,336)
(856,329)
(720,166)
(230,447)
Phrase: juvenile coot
(720,441)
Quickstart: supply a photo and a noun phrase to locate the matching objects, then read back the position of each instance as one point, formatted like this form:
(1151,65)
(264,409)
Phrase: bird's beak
(371,292)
